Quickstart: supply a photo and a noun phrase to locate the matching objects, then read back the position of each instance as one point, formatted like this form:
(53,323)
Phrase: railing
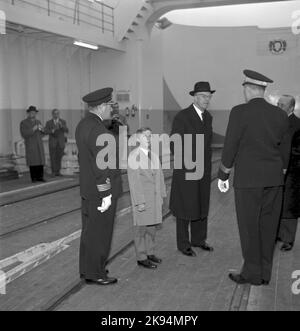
(80,12)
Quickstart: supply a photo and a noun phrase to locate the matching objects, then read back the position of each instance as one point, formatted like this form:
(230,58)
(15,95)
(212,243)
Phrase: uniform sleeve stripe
(104,187)
(224,169)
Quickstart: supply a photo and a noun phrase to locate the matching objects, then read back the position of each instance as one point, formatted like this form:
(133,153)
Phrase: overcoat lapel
(195,119)
(144,162)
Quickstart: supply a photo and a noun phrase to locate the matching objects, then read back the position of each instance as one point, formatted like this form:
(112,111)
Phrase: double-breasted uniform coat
(95,184)
(257,144)
(190,199)
(34,148)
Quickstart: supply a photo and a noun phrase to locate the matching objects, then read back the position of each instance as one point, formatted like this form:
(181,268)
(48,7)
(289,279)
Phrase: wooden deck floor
(180,283)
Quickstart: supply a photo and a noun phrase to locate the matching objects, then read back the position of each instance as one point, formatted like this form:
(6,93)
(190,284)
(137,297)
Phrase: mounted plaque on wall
(123,96)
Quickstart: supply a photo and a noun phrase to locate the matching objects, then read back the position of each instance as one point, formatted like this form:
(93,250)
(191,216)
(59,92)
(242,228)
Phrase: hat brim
(249,83)
(192,93)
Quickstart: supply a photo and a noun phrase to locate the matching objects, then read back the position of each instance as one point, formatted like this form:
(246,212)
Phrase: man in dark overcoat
(189,201)
(291,201)
(257,144)
(32,131)
(56,128)
(100,187)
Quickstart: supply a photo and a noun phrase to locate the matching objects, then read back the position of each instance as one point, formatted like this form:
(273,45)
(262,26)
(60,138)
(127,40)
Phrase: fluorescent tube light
(86,45)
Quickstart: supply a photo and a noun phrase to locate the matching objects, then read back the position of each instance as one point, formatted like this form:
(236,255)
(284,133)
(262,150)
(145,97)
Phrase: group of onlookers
(33,131)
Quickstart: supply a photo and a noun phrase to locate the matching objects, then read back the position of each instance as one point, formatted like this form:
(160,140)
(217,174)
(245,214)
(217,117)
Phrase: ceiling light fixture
(86,45)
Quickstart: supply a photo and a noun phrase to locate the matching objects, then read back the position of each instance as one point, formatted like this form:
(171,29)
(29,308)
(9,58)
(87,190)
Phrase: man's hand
(223,185)
(284,171)
(141,207)
(106,203)
(35,127)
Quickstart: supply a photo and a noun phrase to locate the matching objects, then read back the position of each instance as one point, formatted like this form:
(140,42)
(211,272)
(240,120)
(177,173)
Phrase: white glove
(106,203)
(223,185)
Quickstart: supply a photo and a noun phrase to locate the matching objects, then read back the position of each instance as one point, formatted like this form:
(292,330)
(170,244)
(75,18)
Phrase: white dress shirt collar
(92,112)
(199,111)
(146,151)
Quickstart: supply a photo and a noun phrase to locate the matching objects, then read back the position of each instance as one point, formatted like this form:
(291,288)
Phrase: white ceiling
(264,15)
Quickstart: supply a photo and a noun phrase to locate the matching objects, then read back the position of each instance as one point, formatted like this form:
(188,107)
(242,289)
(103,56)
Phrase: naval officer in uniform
(99,189)
(257,144)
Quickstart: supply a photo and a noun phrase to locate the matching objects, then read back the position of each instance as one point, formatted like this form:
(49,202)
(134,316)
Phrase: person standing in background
(32,131)
(56,129)
(291,202)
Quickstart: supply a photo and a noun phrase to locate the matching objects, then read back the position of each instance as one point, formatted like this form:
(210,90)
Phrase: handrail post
(76,12)
(113,21)
(48,7)
(102,17)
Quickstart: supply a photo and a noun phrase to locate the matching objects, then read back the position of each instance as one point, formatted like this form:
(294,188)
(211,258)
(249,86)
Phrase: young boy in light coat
(147,190)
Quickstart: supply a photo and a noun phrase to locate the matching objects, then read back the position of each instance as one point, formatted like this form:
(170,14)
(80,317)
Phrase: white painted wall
(50,75)
(47,75)
(219,55)
(140,72)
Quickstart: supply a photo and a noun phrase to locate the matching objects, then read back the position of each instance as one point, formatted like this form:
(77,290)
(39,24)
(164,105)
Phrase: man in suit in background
(32,131)
(189,201)
(100,188)
(291,202)
(257,144)
(56,129)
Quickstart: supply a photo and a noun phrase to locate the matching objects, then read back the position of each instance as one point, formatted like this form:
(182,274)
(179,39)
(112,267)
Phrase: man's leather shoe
(42,180)
(154,259)
(83,276)
(102,281)
(188,252)
(205,247)
(239,279)
(286,247)
(265,282)
(147,264)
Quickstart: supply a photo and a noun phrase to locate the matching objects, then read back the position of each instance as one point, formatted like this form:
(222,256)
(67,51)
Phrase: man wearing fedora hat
(32,131)
(190,199)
